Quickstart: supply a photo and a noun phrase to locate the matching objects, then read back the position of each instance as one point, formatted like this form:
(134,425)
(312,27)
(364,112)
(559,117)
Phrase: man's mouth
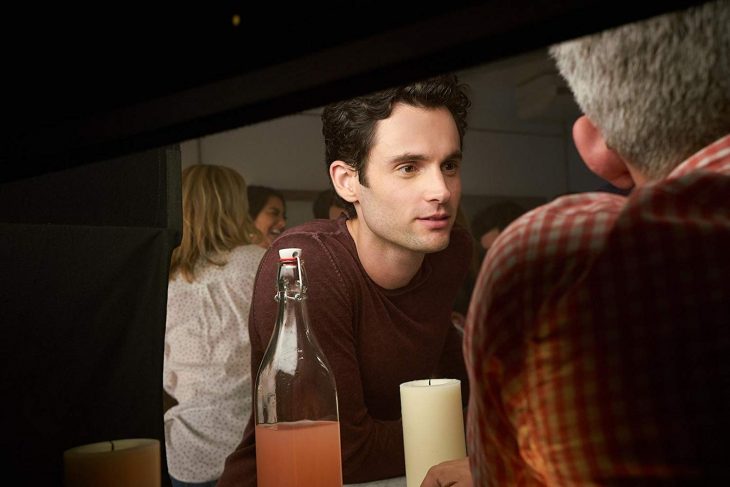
(436,217)
(437,221)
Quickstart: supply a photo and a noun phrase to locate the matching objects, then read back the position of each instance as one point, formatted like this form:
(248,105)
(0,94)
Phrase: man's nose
(437,188)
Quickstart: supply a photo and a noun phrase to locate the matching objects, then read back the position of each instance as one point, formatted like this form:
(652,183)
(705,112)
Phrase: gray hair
(658,90)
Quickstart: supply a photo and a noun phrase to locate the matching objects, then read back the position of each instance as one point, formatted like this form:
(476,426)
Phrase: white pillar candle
(433,425)
(117,463)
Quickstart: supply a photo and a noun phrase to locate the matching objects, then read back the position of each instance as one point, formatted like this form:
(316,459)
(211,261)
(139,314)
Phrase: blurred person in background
(267,208)
(488,223)
(327,205)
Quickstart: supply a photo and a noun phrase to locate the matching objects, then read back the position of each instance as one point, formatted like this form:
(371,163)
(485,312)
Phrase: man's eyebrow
(406,157)
(409,156)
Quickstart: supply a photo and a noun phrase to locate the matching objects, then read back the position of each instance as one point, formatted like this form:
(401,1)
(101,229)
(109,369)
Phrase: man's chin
(435,245)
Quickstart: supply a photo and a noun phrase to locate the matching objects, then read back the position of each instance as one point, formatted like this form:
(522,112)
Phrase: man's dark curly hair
(349,126)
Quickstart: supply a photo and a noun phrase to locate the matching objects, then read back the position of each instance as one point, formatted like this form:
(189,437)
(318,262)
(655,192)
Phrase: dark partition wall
(84,257)
(173,72)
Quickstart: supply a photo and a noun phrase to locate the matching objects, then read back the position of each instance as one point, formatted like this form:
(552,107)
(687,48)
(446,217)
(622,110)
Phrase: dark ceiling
(105,80)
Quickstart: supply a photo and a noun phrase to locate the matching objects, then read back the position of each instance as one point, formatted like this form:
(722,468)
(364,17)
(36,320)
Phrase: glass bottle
(297,421)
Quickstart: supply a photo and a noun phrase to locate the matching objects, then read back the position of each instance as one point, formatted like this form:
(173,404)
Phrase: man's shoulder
(546,250)
(327,252)
(322,242)
(317,228)
(585,204)
(562,228)
(569,212)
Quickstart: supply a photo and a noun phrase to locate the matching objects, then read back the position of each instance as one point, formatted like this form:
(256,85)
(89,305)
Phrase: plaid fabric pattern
(598,338)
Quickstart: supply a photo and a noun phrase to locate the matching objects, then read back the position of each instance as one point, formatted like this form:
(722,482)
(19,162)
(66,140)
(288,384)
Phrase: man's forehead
(411,124)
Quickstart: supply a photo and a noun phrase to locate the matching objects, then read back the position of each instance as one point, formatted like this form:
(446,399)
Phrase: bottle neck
(294,382)
(291,281)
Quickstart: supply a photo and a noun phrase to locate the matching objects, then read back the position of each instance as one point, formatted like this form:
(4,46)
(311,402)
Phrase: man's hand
(454,473)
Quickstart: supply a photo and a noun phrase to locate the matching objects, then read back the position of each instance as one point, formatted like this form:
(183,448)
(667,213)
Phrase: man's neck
(389,266)
(637,176)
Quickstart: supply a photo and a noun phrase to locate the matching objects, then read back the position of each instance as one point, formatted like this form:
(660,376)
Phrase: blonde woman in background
(207,366)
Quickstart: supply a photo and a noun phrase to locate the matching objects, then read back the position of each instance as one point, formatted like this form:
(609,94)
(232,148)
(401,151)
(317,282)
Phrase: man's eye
(407,169)
(450,166)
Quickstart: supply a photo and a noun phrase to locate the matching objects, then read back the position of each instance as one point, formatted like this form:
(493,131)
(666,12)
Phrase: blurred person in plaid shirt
(598,338)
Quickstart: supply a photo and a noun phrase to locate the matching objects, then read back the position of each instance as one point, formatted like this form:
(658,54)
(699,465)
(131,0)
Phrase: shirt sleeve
(371,448)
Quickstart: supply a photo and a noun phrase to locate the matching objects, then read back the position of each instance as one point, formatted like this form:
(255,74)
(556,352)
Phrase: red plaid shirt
(598,339)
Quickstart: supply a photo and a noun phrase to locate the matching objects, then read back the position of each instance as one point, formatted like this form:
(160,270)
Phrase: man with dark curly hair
(384,276)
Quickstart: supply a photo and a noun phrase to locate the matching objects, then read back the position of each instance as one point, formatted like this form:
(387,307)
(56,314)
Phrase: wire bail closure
(299,296)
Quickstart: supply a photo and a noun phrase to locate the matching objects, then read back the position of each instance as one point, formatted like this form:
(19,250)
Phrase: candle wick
(112,445)
(429,381)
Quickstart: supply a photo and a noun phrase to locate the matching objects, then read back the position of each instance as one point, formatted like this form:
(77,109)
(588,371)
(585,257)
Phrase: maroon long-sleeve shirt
(374,339)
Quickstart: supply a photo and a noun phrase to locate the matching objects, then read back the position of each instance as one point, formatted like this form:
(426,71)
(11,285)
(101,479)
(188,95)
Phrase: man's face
(414,181)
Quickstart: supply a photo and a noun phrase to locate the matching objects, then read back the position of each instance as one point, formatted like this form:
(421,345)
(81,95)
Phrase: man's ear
(599,158)
(344,179)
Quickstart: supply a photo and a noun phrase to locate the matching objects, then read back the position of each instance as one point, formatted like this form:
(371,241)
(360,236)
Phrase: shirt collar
(714,158)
